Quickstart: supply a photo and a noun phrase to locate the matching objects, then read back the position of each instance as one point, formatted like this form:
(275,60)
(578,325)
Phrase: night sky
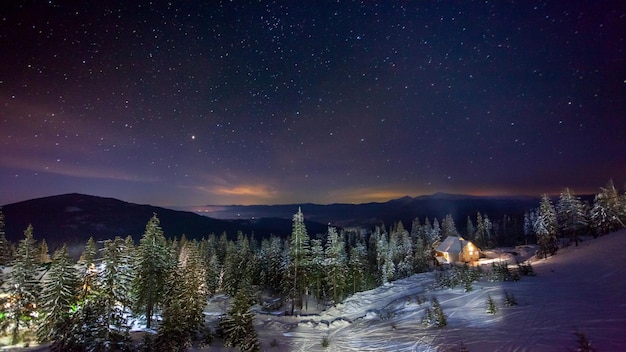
(246,102)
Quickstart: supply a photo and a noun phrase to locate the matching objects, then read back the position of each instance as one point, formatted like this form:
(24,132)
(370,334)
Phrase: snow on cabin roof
(452,244)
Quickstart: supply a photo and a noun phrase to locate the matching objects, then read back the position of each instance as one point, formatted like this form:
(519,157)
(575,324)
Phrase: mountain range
(72,218)
(403,209)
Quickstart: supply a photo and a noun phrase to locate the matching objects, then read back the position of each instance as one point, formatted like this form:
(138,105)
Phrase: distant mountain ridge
(403,209)
(73,218)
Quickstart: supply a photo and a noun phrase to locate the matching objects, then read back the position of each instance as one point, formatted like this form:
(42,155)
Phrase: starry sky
(273,102)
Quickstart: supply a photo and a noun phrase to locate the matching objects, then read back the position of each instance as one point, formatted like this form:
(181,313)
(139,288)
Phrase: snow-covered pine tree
(276,261)
(448,228)
(211,263)
(335,265)
(545,228)
(185,301)
(421,257)
(237,325)
(435,234)
(438,314)
(491,306)
(609,210)
(416,230)
(298,252)
(88,273)
(470,229)
(316,266)
(357,267)
(23,285)
(152,268)
(571,214)
(43,253)
(59,295)
(530,217)
(383,261)
(479,235)
(5,246)
(404,252)
(114,291)
(488,232)
(237,273)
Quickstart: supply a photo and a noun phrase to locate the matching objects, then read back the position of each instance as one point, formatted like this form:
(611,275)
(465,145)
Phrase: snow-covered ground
(581,288)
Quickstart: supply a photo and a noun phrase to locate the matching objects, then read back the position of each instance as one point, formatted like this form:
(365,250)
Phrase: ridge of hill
(73,218)
(403,209)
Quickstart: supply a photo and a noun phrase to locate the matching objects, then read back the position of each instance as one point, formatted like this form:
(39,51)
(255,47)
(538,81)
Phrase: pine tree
(488,231)
(609,210)
(237,325)
(114,293)
(152,268)
(384,260)
(403,253)
(530,217)
(546,227)
(186,299)
(435,234)
(422,256)
(571,215)
(59,296)
(298,251)
(5,246)
(491,306)
(357,267)
(316,265)
(23,285)
(438,315)
(239,265)
(88,271)
(44,253)
(211,264)
(479,235)
(470,229)
(509,299)
(448,228)
(335,264)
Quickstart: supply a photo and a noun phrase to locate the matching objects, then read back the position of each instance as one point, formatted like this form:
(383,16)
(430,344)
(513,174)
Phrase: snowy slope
(580,288)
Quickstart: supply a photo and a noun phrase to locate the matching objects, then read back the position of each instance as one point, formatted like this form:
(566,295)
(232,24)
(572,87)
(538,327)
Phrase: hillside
(403,209)
(73,218)
(581,288)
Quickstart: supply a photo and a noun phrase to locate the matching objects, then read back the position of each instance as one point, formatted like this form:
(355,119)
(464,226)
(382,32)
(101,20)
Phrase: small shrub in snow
(468,286)
(525,269)
(458,275)
(440,317)
(509,300)
(491,306)
(420,300)
(499,272)
(428,318)
(325,342)
(434,316)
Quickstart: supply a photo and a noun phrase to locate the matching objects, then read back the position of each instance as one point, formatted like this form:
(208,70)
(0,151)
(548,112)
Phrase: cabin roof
(452,244)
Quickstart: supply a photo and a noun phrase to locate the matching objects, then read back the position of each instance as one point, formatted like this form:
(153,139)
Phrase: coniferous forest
(163,283)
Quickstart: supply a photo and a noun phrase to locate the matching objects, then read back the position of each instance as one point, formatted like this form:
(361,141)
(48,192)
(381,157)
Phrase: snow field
(581,288)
